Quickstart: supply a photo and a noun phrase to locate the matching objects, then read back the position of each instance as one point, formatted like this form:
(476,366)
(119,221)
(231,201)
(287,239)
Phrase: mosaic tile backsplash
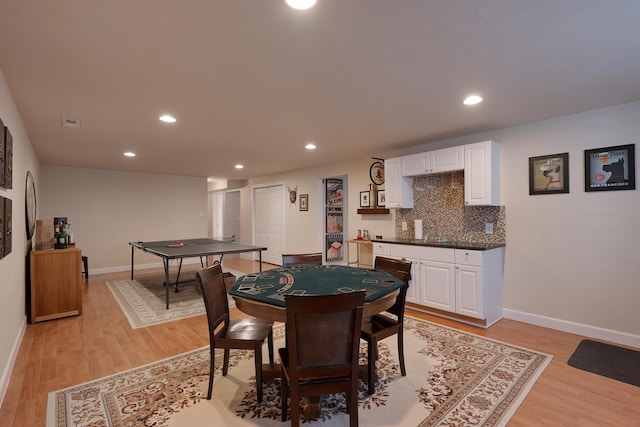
(438,201)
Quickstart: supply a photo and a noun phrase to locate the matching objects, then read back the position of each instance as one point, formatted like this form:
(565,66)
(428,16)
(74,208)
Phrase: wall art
(610,168)
(549,174)
(304,202)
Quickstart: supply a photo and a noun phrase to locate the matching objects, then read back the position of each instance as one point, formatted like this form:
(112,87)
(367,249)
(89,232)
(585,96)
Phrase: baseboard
(6,373)
(574,328)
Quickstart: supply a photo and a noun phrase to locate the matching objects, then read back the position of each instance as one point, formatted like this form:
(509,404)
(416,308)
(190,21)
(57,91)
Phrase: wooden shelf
(373,211)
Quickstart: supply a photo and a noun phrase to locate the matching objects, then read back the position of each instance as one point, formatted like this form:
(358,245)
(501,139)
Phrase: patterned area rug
(453,378)
(143,300)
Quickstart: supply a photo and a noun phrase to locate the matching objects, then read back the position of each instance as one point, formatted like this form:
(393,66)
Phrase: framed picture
(610,168)
(376,172)
(381,198)
(364,199)
(304,202)
(549,174)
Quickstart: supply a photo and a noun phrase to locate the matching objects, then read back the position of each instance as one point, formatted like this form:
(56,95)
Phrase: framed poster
(364,199)
(334,191)
(381,198)
(549,174)
(610,168)
(304,202)
(334,220)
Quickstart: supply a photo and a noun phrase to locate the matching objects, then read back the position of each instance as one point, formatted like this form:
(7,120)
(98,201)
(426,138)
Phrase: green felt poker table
(263,294)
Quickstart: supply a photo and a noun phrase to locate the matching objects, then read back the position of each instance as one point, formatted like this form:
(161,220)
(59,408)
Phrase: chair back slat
(291,260)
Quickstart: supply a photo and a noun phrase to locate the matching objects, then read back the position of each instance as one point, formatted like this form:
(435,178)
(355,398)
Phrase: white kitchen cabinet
(437,285)
(415,164)
(466,283)
(413,292)
(437,161)
(482,174)
(398,189)
(479,284)
(469,291)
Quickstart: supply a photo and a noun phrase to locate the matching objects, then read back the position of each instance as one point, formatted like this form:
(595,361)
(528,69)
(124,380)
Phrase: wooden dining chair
(321,356)
(291,260)
(383,326)
(224,333)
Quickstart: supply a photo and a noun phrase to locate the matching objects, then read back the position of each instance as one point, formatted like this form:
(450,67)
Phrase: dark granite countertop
(478,246)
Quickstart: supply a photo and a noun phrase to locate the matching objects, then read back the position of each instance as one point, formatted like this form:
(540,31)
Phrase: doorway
(225,210)
(268,220)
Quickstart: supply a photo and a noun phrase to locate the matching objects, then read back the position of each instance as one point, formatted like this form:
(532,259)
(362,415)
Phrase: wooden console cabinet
(56,280)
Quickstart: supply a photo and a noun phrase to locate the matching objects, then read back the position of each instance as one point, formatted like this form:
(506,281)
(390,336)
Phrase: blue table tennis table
(189,248)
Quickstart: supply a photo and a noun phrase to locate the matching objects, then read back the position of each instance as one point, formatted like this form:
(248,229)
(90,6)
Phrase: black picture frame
(549,174)
(610,168)
(381,198)
(304,202)
(365,200)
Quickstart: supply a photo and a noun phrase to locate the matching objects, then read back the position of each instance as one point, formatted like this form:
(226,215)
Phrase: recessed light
(310,146)
(472,100)
(167,119)
(239,166)
(301,4)
(130,154)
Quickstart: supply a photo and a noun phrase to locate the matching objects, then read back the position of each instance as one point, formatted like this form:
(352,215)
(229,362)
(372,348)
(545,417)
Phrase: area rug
(143,300)
(453,378)
(611,361)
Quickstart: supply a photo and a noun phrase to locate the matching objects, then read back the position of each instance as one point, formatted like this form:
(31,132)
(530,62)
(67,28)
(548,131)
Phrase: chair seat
(250,330)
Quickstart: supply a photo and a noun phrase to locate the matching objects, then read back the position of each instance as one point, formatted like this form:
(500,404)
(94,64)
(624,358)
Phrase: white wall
(304,229)
(571,259)
(108,209)
(13,266)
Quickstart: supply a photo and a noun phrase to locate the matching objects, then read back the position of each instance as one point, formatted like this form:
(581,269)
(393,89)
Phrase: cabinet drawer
(381,249)
(423,253)
(468,257)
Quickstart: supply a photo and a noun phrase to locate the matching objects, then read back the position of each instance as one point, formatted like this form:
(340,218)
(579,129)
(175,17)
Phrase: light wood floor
(64,352)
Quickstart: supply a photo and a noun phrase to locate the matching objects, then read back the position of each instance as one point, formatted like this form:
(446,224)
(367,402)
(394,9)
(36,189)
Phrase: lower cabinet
(56,284)
(464,283)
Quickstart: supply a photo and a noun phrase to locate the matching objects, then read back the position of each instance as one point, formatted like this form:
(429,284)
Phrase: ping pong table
(189,248)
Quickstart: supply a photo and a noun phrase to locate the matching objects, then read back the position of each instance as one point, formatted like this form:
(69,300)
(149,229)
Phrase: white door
(269,221)
(218,218)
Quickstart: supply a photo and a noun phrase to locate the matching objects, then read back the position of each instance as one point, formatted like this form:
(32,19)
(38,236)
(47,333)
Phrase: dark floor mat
(611,361)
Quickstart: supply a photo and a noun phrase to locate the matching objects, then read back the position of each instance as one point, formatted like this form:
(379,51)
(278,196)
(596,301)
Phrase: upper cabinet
(398,189)
(437,161)
(482,174)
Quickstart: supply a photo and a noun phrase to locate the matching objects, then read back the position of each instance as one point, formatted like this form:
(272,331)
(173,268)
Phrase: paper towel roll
(418,228)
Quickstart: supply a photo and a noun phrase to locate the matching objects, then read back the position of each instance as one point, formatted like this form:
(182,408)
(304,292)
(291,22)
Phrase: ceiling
(252,81)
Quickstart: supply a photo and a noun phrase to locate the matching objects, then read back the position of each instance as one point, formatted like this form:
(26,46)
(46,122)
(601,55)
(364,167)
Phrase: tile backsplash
(439,202)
